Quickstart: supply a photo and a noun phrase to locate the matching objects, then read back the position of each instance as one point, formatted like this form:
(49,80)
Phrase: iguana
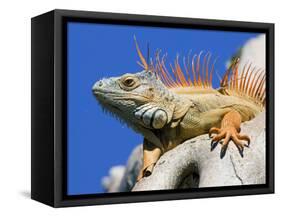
(168,108)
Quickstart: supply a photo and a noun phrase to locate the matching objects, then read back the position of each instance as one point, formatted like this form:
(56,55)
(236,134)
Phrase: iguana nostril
(100,84)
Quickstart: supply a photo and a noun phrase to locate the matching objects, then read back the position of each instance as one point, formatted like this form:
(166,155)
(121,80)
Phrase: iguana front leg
(230,130)
(151,154)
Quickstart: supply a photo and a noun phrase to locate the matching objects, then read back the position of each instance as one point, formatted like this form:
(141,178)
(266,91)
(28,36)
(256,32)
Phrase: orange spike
(187,73)
(163,73)
(225,78)
(157,71)
(255,81)
(176,72)
(151,65)
(249,79)
(141,65)
(263,95)
(207,67)
(176,76)
(162,77)
(251,82)
(200,82)
(193,71)
(165,80)
(188,69)
(212,70)
(236,77)
(144,63)
(260,86)
(242,78)
(232,78)
(167,72)
(245,78)
(155,64)
(235,66)
(180,73)
(206,81)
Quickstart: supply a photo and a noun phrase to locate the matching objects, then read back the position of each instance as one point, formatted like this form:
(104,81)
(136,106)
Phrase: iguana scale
(168,108)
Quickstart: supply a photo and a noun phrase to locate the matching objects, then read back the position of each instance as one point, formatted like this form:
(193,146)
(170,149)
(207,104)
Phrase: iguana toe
(213,130)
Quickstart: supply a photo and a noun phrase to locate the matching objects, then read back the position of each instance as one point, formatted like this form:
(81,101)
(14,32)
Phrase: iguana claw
(146,172)
(224,135)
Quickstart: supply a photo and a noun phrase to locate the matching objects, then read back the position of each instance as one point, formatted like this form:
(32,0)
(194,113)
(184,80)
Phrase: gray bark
(123,180)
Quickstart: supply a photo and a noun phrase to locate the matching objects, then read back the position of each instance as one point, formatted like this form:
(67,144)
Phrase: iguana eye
(129,83)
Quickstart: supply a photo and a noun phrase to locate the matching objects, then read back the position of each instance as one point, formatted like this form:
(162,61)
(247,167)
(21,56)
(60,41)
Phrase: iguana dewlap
(169,108)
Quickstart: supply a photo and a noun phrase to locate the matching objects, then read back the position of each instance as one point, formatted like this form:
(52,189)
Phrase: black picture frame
(48,147)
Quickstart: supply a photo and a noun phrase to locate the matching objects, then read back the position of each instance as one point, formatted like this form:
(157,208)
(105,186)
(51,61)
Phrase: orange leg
(230,129)
(151,154)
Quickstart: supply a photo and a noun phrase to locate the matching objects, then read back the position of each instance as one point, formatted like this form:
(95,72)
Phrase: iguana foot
(151,154)
(230,133)
(230,130)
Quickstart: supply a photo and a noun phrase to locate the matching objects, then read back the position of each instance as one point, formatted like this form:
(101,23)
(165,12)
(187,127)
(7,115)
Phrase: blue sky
(97,141)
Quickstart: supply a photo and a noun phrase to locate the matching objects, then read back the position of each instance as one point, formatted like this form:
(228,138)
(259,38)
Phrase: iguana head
(140,99)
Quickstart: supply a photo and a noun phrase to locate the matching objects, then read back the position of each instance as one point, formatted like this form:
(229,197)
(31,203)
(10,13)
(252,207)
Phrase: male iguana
(169,108)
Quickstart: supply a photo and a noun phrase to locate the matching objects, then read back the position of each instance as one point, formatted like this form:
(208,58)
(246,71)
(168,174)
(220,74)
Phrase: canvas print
(158,108)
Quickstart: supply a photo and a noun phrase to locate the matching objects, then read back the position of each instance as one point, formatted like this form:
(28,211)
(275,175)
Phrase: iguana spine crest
(198,76)
(249,84)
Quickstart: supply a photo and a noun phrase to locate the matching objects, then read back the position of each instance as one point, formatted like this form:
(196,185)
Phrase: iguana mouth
(102,92)
(102,95)
(119,96)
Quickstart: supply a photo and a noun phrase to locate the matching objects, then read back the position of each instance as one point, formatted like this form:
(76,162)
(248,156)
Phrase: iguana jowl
(169,108)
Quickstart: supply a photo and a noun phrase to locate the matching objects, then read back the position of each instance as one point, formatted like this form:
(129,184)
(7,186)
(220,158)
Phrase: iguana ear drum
(151,116)
(159,119)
